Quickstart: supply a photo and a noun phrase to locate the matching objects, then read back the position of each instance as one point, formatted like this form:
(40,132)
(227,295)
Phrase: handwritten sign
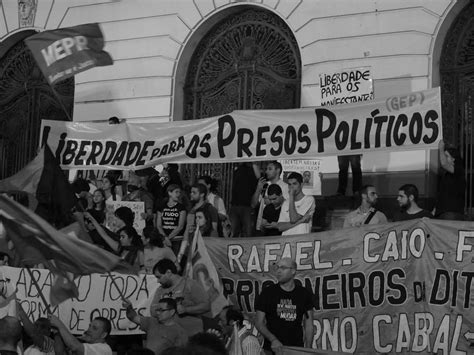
(309,169)
(346,86)
(97,297)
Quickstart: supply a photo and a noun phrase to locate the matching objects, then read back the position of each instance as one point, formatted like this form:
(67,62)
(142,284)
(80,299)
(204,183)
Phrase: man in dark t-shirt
(407,199)
(271,212)
(285,311)
(243,187)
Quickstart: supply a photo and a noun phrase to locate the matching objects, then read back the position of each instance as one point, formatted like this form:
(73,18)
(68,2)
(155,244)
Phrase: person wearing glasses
(162,330)
(192,300)
(285,311)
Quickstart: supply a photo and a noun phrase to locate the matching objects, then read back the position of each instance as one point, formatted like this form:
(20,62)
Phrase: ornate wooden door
(248,61)
(457,88)
(25,99)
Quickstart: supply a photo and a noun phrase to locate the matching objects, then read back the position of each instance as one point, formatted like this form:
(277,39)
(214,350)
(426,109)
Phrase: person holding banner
(161,328)
(93,340)
(452,186)
(284,310)
(192,300)
(343,162)
(296,214)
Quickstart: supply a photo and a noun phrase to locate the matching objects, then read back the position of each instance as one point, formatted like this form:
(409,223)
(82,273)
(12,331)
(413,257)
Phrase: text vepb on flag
(67,51)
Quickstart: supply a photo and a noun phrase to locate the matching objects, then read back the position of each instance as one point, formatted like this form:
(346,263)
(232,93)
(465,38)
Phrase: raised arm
(131,314)
(442,158)
(71,342)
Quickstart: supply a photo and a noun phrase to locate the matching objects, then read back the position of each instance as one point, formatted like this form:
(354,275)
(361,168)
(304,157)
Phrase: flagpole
(46,304)
(60,101)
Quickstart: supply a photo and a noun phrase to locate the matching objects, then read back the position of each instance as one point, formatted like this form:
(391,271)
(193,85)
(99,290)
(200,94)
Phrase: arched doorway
(248,61)
(457,87)
(25,99)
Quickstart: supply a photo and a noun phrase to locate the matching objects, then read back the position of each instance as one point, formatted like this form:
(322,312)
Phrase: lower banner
(97,297)
(401,287)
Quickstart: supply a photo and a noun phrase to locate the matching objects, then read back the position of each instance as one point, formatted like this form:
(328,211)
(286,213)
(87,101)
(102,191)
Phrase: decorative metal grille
(249,61)
(25,99)
(457,88)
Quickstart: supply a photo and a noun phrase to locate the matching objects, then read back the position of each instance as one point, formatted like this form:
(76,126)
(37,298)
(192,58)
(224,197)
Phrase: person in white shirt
(260,196)
(296,216)
(94,338)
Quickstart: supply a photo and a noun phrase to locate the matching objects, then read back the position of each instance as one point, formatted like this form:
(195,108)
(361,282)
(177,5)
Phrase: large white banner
(402,122)
(98,296)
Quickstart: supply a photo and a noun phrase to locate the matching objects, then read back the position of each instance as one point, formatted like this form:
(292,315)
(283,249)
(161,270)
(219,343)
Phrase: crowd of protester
(262,204)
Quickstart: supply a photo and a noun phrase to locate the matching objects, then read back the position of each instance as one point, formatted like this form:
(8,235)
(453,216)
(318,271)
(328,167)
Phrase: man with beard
(407,199)
(93,342)
(284,310)
(366,213)
(192,300)
(260,196)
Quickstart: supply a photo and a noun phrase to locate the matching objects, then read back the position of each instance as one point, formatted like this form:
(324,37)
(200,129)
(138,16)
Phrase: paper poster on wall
(346,86)
(309,169)
(137,207)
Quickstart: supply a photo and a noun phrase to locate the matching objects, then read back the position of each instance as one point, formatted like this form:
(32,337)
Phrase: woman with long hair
(153,249)
(131,247)
(109,185)
(204,223)
(98,205)
(452,185)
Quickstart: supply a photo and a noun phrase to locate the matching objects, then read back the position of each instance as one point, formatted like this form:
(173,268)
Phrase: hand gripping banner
(402,122)
(404,287)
